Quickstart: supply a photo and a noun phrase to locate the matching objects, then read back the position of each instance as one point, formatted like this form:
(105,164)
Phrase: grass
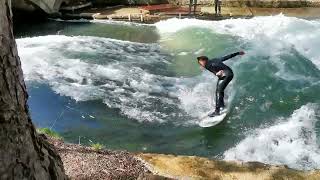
(49,132)
(97,146)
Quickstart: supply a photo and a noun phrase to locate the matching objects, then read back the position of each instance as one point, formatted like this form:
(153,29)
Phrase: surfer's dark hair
(204,58)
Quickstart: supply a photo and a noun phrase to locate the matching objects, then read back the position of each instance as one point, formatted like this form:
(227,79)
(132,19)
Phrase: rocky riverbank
(143,15)
(82,162)
(156,10)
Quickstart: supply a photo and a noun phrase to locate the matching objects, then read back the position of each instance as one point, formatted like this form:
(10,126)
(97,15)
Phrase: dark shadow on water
(142,34)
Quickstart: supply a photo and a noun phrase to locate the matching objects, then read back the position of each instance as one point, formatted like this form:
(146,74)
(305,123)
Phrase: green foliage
(49,132)
(97,146)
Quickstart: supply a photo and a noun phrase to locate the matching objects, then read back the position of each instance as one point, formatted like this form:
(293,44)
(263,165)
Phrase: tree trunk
(23,154)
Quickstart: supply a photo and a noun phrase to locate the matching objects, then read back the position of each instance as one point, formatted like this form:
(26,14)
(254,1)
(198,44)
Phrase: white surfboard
(207,121)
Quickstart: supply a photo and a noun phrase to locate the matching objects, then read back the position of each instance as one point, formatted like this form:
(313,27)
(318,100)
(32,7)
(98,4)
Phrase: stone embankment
(54,6)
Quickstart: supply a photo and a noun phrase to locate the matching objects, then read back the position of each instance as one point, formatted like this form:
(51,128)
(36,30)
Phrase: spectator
(217,7)
(194,3)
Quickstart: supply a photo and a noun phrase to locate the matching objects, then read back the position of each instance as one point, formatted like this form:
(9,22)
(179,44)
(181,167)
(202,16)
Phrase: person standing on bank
(224,74)
(194,4)
(217,7)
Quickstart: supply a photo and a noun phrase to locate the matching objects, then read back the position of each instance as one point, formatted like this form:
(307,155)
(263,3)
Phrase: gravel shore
(82,162)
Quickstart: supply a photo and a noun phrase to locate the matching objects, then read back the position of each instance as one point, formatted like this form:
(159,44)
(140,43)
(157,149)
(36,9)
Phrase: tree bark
(23,154)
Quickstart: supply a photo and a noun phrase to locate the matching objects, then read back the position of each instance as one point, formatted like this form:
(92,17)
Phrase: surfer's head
(202,60)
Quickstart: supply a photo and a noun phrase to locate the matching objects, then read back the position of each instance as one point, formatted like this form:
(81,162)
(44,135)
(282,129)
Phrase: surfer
(224,74)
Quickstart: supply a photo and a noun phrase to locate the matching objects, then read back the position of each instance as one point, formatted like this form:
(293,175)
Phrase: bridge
(48,6)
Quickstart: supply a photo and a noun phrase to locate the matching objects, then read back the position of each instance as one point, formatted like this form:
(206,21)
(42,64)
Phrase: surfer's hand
(220,73)
(241,53)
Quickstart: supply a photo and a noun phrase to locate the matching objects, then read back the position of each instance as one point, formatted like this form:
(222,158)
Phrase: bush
(97,146)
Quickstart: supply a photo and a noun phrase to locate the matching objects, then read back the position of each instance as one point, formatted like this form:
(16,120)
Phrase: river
(139,87)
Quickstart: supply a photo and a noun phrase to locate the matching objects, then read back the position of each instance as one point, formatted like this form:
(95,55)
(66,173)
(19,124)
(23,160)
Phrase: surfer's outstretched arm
(224,58)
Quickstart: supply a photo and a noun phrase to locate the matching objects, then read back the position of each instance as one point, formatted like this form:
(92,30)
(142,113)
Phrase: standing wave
(291,141)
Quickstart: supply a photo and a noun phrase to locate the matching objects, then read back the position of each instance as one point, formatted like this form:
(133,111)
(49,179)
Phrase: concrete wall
(229,3)
(129,2)
(260,3)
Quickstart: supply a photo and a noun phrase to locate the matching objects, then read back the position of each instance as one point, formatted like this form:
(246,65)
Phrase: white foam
(269,35)
(102,21)
(183,53)
(70,67)
(197,97)
(291,141)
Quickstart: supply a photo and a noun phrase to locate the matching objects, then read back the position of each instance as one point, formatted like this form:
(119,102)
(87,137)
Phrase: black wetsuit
(215,65)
